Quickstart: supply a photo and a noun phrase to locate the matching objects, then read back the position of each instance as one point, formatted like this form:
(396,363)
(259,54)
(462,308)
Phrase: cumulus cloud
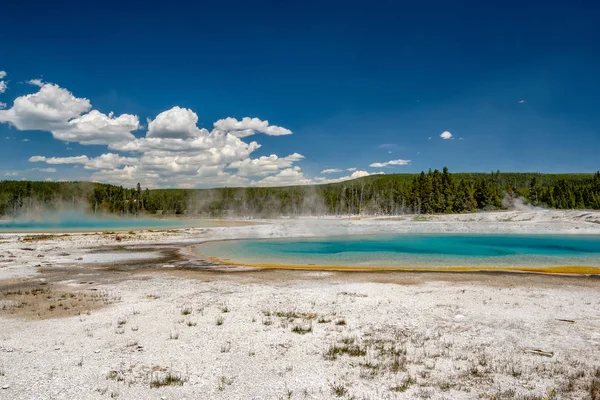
(2,74)
(249,126)
(446,135)
(177,123)
(331,171)
(98,128)
(264,166)
(287,177)
(173,152)
(350,169)
(3,87)
(58,111)
(50,107)
(11,174)
(391,162)
(50,170)
(2,106)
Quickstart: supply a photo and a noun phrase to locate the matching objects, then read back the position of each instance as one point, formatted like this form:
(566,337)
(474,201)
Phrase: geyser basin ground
(575,254)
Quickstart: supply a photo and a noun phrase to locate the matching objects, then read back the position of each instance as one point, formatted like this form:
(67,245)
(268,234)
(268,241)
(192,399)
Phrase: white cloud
(354,175)
(98,128)
(2,74)
(2,105)
(249,126)
(264,166)
(287,177)
(50,170)
(391,162)
(51,107)
(3,87)
(36,82)
(174,152)
(521,101)
(446,135)
(104,161)
(350,169)
(26,140)
(331,171)
(55,109)
(11,174)
(176,123)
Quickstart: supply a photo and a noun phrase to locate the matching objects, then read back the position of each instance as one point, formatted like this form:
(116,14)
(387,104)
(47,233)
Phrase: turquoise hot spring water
(413,251)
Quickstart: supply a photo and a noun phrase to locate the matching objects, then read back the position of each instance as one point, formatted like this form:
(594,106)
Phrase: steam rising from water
(79,220)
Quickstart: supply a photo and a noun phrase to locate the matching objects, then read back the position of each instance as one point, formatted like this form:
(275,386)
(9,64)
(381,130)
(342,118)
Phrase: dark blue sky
(354,81)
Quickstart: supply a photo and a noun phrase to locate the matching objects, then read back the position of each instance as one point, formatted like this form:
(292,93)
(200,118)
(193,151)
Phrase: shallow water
(414,250)
(82,222)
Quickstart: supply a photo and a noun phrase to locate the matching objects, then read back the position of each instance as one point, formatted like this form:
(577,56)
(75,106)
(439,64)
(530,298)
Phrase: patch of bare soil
(37,300)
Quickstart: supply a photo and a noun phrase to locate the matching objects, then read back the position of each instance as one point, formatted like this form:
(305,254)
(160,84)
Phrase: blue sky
(356,83)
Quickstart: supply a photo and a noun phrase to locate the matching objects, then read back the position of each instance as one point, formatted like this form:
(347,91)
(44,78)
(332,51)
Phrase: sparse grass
(224,381)
(191,323)
(186,310)
(340,322)
(339,349)
(226,348)
(219,321)
(170,379)
(403,387)
(302,330)
(594,389)
(174,335)
(323,320)
(338,389)
(115,376)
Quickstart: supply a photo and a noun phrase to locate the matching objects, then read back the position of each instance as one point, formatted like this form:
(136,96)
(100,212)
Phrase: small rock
(57,348)
(80,258)
(96,351)
(168,266)
(5,387)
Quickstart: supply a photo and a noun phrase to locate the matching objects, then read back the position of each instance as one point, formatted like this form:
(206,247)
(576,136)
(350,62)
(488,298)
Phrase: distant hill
(427,192)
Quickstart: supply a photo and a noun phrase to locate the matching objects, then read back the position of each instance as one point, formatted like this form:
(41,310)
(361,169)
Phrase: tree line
(428,192)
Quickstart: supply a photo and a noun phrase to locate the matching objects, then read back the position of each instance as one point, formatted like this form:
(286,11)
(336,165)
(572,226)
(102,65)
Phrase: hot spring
(79,221)
(577,254)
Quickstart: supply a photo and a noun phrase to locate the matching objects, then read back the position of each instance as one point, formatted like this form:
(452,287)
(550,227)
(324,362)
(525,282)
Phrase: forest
(428,192)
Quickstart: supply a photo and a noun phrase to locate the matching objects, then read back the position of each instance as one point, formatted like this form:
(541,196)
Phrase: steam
(513,203)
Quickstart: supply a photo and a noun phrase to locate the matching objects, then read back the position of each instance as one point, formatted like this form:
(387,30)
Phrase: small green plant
(224,381)
(352,350)
(403,387)
(220,321)
(323,320)
(302,330)
(191,323)
(340,322)
(186,310)
(170,379)
(338,389)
